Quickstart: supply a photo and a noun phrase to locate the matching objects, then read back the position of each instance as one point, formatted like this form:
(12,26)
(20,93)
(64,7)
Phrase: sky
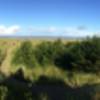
(49,17)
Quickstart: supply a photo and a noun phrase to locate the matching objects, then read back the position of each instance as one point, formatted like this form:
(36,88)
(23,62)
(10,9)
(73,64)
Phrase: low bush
(24,55)
(81,56)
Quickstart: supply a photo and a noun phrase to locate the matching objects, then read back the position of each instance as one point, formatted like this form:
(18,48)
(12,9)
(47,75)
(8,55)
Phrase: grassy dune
(11,44)
(79,86)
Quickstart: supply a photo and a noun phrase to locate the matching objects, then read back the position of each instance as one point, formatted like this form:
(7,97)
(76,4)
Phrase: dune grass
(73,79)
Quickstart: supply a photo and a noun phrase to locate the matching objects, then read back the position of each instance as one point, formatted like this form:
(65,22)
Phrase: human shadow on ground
(20,88)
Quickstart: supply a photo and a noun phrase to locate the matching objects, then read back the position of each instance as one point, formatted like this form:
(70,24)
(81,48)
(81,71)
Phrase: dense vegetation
(2,55)
(78,56)
(62,65)
(24,55)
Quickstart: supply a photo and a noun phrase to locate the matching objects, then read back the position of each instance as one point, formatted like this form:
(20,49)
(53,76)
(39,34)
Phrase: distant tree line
(78,55)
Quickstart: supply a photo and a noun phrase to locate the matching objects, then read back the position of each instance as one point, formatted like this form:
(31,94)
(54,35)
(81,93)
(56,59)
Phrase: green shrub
(46,52)
(24,55)
(79,56)
(86,55)
(2,55)
(3,92)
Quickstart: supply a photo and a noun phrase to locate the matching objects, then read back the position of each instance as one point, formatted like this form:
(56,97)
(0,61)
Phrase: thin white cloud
(63,31)
(59,30)
(9,30)
(82,28)
(52,29)
(80,31)
(43,29)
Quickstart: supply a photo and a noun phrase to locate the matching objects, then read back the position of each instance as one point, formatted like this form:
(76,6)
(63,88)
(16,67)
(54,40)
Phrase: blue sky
(50,17)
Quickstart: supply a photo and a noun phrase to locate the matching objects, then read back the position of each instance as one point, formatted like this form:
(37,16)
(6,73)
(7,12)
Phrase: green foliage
(46,52)
(86,55)
(24,55)
(2,56)
(3,92)
(80,56)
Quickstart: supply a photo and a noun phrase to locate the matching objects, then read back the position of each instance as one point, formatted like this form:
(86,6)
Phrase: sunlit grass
(73,79)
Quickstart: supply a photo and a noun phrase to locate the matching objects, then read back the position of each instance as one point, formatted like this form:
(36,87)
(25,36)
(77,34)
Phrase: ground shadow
(20,88)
